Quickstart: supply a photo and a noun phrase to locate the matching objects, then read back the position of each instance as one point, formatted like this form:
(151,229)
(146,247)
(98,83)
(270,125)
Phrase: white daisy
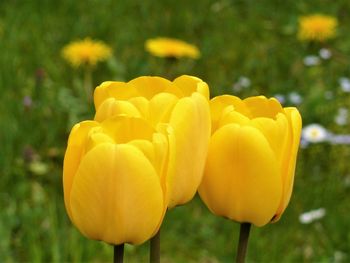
(344,84)
(311,61)
(295,98)
(325,53)
(314,133)
(311,216)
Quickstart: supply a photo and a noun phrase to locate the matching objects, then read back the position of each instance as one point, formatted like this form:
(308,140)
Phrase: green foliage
(256,39)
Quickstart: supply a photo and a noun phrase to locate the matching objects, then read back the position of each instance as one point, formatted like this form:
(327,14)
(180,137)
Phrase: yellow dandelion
(169,47)
(86,51)
(317,27)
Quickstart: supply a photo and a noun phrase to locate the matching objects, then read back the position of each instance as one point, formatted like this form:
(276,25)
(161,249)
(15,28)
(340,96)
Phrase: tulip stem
(118,255)
(243,242)
(155,248)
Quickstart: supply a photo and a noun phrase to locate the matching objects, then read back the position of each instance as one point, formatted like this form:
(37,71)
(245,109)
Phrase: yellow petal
(116,195)
(231,116)
(188,144)
(123,129)
(260,106)
(241,179)
(150,86)
(142,104)
(161,106)
(276,131)
(72,157)
(157,153)
(221,105)
(112,107)
(189,84)
(295,124)
(113,89)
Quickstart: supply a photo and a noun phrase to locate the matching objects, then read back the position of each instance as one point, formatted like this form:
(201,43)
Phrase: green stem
(155,248)
(118,255)
(243,242)
(88,82)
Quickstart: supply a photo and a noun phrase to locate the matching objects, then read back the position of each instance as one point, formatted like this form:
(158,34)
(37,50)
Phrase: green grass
(256,39)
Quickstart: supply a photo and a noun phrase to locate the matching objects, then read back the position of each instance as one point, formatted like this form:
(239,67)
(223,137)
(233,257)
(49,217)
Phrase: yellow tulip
(114,179)
(182,105)
(251,160)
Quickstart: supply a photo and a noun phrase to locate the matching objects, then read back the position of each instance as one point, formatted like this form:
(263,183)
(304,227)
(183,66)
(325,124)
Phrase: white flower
(281,98)
(314,133)
(295,98)
(340,139)
(341,120)
(342,117)
(344,84)
(325,53)
(343,111)
(311,61)
(310,216)
(243,82)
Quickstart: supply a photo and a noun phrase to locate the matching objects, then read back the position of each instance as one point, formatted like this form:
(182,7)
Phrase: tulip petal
(116,195)
(295,123)
(72,157)
(276,131)
(123,129)
(112,107)
(161,106)
(189,84)
(241,179)
(260,106)
(113,89)
(142,104)
(221,105)
(188,144)
(231,116)
(150,86)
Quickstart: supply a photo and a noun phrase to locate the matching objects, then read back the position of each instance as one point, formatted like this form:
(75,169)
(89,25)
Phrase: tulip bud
(114,179)
(183,106)
(251,160)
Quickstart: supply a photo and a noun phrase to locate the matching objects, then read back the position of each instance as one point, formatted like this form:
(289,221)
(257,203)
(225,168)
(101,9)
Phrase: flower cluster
(154,142)
(144,151)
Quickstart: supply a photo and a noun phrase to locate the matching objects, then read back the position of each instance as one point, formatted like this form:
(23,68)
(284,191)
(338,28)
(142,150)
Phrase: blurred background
(246,48)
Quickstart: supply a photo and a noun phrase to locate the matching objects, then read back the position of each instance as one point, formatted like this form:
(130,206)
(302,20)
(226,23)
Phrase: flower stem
(155,248)
(88,82)
(243,242)
(118,255)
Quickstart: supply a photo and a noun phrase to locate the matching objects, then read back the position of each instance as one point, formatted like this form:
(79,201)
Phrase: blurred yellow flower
(317,27)
(169,47)
(86,51)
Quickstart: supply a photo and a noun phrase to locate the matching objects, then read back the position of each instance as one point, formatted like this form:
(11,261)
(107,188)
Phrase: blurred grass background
(236,38)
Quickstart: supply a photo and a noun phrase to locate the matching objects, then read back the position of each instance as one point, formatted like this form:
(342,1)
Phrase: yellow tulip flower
(251,160)
(183,106)
(114,179)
